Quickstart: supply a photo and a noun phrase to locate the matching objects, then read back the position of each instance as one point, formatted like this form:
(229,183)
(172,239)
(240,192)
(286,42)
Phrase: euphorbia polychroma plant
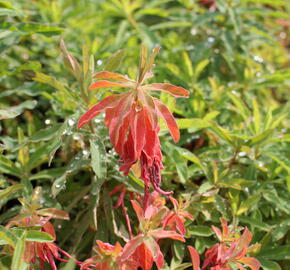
(132,119)
(144,248)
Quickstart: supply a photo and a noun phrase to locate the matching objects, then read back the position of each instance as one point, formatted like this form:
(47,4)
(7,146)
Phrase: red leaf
(159,234)
(138,131)
(169,119)
(110,75)
(253,263)
(131,246)
(194,258)
(218,232)
(96,109)
(143,257)
(103,84)
(154,249)
(138,210)
(174,90)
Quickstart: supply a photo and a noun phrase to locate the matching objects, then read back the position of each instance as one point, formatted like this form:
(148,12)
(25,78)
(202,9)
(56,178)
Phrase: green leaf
(10,12)
(192,123)
(262,137)
(200,230)
(44,153)
(283,163)
(45,134)
(7,166)
(12,189)
(36,28)
(257,117)
(276,253)
(269,265)
(17,259)
(200,67)
(114,62)
(8,114)
(98,155)
(77,163)
(7,236)
(248,203)
(41,237)
(193,158)
(255,223)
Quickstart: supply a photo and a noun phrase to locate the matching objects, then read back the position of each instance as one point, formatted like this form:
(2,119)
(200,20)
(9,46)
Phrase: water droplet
(258,59)
(47,121)
(59,226)
(242,154)
(42,200)
(247,189)
(193,31)
(71,122)
(57,185)
(85,152)
(97,121)
(99,62)
(260,164)
(76,137)
(194,137)
(210,39)
(138,108)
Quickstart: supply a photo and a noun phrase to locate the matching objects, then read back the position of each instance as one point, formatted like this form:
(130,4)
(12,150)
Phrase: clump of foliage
(64,203)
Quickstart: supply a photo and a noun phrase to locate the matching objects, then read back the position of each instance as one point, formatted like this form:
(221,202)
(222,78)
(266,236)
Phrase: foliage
(231,162)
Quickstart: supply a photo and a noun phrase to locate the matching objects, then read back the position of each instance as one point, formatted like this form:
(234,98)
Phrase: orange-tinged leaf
(138,210)
(171,89)
(224,227)
(253,263)
(218,232)
(143,257)
(169,119)
(131,246)
(96,109)
(111,75)
(194,258)
(159,234)
(53,213)
(104,84)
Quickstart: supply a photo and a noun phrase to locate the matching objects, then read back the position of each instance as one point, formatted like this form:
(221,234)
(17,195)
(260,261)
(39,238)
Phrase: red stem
(146,195)
(127,220)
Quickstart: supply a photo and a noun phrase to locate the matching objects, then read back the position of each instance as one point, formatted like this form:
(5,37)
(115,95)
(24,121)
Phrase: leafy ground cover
(132,187)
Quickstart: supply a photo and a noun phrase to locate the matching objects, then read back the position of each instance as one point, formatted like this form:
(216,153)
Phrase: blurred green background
(233,156)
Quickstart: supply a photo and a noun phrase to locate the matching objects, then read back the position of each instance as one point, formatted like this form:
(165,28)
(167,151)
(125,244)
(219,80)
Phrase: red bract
(45,252)
(230,250)
(144,248)
(132,119)
(175,219)
(33,216)
(106,258)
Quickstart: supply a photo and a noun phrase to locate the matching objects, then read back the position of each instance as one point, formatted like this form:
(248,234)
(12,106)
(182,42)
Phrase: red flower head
(33,216)
(132,119)
(232,249)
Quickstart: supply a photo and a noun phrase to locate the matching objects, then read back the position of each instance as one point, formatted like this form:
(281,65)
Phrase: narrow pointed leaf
(171,89)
